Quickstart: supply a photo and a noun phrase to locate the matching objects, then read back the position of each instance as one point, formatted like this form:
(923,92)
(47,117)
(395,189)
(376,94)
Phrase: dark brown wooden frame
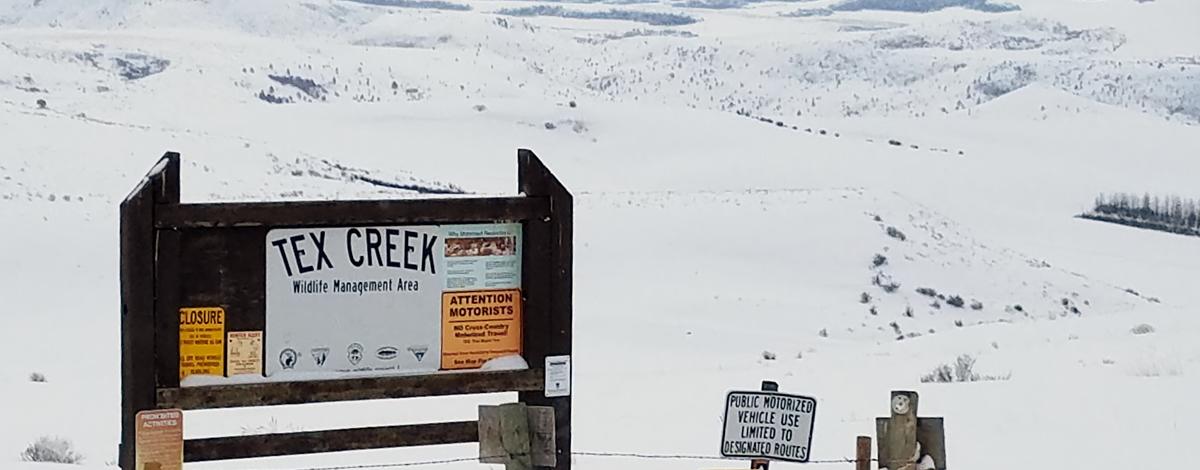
(157,231)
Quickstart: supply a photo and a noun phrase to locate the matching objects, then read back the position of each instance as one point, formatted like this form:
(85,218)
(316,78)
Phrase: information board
(391,299)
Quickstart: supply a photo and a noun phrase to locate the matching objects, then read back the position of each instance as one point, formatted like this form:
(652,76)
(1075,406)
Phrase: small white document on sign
(558,376)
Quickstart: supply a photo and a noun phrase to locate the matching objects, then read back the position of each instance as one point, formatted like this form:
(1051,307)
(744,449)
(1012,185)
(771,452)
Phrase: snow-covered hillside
(752,179)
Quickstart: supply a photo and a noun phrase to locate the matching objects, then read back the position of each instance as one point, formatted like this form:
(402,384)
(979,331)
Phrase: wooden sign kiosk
(177,255)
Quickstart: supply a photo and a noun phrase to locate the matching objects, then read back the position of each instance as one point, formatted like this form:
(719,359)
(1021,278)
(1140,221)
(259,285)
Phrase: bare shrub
(51,450)
(955,301)
(940,374)
(885,283)
(963,370)
(1151,367)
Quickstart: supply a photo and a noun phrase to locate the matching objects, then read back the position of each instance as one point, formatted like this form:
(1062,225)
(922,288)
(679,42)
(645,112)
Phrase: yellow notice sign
(245,353)
(159,440)
(480,325)
(201,341)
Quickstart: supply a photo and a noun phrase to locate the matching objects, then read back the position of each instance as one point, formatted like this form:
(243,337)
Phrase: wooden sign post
(907,442)
(293,299)
(862,453)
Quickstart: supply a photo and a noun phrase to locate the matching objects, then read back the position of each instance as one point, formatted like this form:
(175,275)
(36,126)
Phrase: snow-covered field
(706,236)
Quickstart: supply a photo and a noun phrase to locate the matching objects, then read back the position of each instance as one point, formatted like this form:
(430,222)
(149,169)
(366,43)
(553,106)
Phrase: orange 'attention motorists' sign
(480,325)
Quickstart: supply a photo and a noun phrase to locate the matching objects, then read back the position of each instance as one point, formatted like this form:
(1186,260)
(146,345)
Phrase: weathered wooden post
(900,441)
(548,258)
(862,453)
(517,436)
(139,254)
(906,440)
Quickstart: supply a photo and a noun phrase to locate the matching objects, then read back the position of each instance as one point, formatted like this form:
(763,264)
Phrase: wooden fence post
(862,453)
(899,442)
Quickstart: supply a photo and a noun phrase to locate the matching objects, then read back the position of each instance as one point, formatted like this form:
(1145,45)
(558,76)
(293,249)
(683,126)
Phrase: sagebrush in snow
(37,377)
(1151,367)
(51,450)
(955,301)
(940,374)
(885,283)
(896,233)
(879,260)
(1143,329)
(963,370)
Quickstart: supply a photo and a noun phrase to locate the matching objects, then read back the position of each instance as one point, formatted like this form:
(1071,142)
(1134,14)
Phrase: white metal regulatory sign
(768,425)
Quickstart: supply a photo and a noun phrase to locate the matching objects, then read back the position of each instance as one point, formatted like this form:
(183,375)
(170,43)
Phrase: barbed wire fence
(626,455)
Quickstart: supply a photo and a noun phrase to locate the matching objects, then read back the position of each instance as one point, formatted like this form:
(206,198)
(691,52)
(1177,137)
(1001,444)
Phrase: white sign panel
(482,257)
(558,376)
(362,299)
(369,300)
(768,425)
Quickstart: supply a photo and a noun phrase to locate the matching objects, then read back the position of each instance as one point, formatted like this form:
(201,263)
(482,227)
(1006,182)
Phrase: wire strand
(630,455)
